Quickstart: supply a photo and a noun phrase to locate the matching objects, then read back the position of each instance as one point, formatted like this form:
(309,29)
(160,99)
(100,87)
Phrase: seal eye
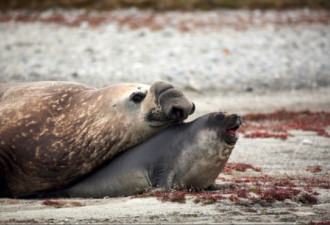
(137,97)
(220,116)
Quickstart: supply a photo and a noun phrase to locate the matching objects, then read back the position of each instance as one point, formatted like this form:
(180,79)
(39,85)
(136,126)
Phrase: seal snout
(172,101)
(178,112)
(228,124)
(235,122)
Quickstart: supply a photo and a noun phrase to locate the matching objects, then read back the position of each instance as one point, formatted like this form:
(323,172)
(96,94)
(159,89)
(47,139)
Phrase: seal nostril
(178,113)
(193,109)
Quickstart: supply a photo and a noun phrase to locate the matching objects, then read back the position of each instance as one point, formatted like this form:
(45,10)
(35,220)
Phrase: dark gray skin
(54,133)
(183,156)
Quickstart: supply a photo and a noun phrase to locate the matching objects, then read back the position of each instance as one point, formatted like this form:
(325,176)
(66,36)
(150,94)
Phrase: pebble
(306,142)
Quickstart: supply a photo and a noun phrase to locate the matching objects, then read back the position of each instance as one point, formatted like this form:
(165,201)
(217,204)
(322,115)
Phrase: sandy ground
(277,158)
(236,64)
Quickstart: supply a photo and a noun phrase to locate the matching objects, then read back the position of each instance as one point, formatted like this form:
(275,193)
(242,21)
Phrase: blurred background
(199,45)
(239,56)
(164,4)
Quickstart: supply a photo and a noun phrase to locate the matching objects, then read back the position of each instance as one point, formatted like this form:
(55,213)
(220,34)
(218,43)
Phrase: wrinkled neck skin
(201,160)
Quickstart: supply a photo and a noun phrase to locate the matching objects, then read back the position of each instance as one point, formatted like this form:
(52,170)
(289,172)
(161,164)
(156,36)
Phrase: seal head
(197,167)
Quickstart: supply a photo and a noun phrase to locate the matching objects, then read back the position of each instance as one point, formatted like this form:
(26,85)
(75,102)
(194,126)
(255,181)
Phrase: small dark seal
(184,156)
(54,133)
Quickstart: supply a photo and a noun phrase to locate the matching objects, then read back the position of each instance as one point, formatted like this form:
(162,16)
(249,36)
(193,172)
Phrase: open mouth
(233,130)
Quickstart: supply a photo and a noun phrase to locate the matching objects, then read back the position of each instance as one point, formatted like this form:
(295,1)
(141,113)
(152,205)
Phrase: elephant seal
(53,133)
(184,156)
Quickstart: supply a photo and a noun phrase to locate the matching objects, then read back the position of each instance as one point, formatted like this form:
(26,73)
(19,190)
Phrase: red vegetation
(241,167)
(277,124)
(266,134)
(279,194)
(265,187)
(171,196)
(316,182)
(325,222)
(308,198)
(270,189)
(56,204)
(314,169)
(60,204)
(206,197)
(161,20)
(234,198)
(261,190)
(77,204)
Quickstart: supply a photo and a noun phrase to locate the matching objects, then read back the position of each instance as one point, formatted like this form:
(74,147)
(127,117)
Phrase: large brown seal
(53,133)
(183,156)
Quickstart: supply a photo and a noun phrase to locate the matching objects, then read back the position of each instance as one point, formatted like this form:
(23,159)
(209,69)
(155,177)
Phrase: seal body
(53,133)
(184,156)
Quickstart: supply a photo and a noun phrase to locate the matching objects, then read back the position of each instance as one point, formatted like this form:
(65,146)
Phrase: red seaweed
(279,123)
(316,182)
(206,197)
(56,204)
(308,198)
(314,169)
(263,190)
(266,134)
(241,167)
(164,196)
(60,204)
(324,222)
(154,20)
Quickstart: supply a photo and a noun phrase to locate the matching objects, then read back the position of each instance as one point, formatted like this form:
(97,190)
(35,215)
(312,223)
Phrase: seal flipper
(222,186)
(156,176)
(214,187)
(160,176)
(162,180)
